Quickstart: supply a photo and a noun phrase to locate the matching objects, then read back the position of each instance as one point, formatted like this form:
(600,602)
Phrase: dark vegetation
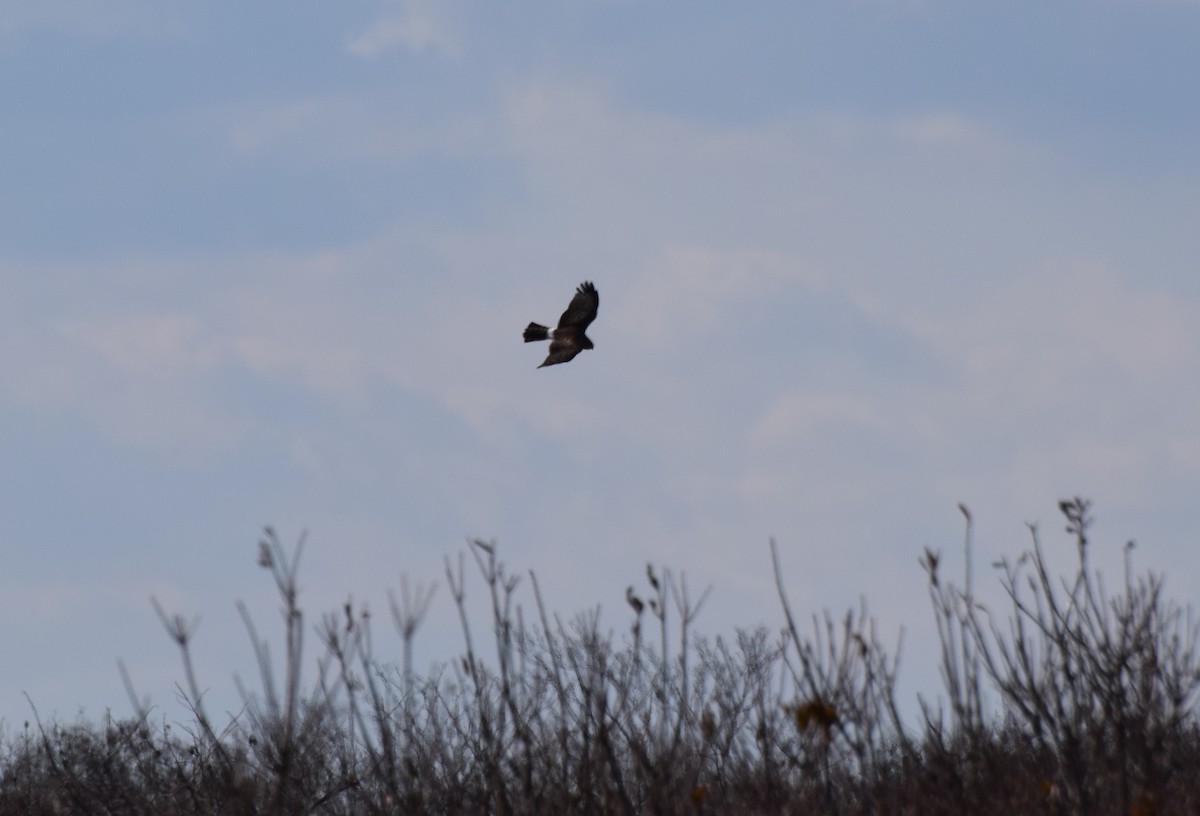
(1070,700)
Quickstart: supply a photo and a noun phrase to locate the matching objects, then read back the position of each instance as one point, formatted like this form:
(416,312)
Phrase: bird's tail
(536,331)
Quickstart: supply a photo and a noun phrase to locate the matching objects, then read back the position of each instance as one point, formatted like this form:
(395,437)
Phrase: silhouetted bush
(1073,702)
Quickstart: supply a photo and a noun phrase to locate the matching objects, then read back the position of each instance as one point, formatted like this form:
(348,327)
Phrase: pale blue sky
(858,261)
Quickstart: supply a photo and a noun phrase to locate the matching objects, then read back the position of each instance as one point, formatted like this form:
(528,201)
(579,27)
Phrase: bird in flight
(568,339)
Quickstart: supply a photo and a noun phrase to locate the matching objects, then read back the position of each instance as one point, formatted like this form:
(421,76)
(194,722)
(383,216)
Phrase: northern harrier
(568,339)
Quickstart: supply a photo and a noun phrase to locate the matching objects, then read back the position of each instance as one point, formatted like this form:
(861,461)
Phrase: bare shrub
(1071,702)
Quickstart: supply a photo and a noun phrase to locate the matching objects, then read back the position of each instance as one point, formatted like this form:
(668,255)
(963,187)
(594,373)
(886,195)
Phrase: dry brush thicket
(1070,700)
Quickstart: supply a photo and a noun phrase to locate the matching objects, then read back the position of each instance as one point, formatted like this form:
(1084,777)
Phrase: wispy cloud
(147,346)
(348,127)
(419,27)
(684,292)
(148,381)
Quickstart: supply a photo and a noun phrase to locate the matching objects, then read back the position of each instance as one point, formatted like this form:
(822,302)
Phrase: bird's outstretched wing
(560,352)
(582,310)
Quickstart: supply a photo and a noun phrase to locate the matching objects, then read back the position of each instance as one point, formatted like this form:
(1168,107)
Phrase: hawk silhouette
(568,339)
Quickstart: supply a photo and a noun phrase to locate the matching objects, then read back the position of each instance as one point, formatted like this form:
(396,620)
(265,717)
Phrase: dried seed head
(651,577)
(634,601)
